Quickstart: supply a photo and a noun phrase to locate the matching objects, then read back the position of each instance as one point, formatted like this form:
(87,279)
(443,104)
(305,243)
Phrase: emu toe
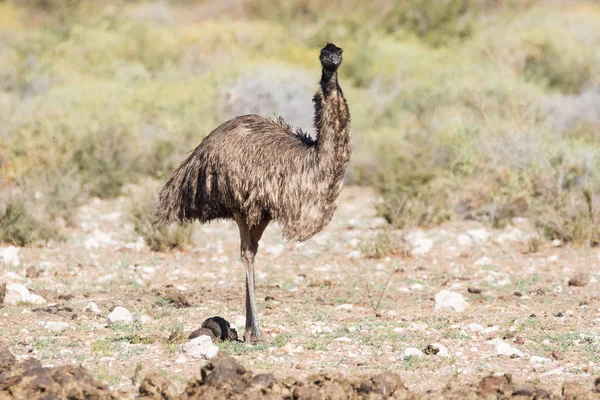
(252,338)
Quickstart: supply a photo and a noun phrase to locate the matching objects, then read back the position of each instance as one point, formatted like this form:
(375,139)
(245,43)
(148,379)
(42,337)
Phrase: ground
(535,302)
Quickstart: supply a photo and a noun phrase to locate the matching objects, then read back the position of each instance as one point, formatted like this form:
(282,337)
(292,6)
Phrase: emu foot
(253,338)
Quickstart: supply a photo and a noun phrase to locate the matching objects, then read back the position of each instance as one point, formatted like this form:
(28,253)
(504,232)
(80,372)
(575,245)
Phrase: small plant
(157,238)
(19,227)
(137,373)
(375,306)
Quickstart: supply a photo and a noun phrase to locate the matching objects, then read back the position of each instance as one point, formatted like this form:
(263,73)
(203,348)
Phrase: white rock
(505,349)
(464,240)
(552,258)
(479,235)
(201,347)
(239,321)
(442,350)
(145,319)
(10,256)
(398,330)
(54,326)
(451,301)
(275,250)
(539,360)
(181,359)
(345,307)
(343,339)
(489,330)
(120,314)
(412,352)
(421,246)
(97,239)
(417,286)
(474,327)
(92,307)
(485,260)
(16,293)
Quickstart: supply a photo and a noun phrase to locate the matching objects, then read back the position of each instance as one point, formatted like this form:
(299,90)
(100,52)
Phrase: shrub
(19,227)
(158,239)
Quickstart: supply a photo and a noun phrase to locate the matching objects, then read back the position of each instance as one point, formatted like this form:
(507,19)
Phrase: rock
(485,260)
(539,360)
(120,315)
(92,307)
(157,386)
(10,256)
(505,349)
(54,326)
(239,321)
(580,279)
(450,301)
(412,352)
(219,327)
(97,240)
(421,246)
(201,347)
(489,330)
(473,327)
(16,293)
(479,235)
(464,240)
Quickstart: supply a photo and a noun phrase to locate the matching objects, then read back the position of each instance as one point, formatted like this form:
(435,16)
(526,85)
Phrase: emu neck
(332,120)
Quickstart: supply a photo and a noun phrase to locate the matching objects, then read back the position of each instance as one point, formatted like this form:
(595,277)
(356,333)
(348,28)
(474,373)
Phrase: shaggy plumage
(255,170)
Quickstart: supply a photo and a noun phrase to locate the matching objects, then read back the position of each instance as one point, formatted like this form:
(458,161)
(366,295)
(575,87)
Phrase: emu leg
(249,238)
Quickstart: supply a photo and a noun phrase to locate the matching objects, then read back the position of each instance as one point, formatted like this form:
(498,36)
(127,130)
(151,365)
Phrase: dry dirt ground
(533,308)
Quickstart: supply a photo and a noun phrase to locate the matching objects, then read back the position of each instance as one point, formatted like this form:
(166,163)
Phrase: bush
(158,239)
(19,227)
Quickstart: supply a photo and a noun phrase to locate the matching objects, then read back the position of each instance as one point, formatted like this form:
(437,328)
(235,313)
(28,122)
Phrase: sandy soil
(532,311)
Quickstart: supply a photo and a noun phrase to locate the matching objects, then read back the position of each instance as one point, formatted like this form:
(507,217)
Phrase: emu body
(255,170)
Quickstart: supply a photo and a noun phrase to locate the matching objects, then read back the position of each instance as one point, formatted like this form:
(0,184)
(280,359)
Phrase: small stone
(16,293)
(479,235)
(343,339)
(485,260)
(412,352)
(145,319)
(10,256)
(421,246)
(464,240)
(92,307)
(53,326)
(450,301)
(473,327)
(239,321)
(474,290)
(489,330)
(201,347)
(580,279)
(120,315)
(539,360)
(181,360)
(345,307)
(505,349)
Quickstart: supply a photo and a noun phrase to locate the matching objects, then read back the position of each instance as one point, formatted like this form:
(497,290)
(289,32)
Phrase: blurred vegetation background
(462,109)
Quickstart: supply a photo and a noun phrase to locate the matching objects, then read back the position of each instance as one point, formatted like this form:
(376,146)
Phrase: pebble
(539,360)
(239,321)
(479,235)
(92,307)
(505,349)
(464,240)
(120,314)
(10,256)
(485,260)
(181,360)
(412,352)
(489,330)
(54,326)
(16,293)
(450,301)
(421,246)
(201,347)
(473,327)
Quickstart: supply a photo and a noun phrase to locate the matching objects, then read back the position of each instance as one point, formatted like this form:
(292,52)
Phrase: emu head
(331,56)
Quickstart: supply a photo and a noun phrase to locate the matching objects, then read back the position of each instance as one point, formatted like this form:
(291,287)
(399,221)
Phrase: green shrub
(19,227)
(158,239)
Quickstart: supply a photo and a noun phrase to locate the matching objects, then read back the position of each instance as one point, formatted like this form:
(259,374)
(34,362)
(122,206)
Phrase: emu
(255,170)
